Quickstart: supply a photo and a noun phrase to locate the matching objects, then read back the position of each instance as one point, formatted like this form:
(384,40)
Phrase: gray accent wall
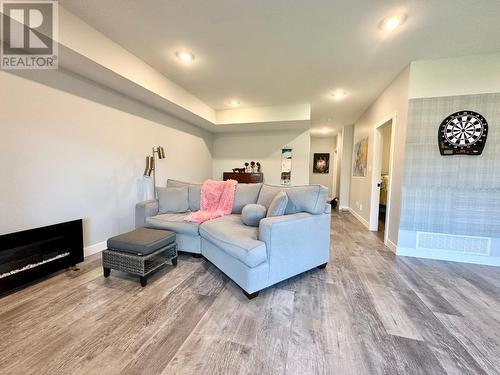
(458,195)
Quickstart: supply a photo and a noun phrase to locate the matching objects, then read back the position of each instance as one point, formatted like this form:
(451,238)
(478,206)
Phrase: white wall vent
(450,242)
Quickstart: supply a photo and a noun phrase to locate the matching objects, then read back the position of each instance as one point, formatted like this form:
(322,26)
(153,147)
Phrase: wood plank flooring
(368,312)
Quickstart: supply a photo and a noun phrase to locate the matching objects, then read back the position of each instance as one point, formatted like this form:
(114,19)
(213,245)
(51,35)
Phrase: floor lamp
(151,165)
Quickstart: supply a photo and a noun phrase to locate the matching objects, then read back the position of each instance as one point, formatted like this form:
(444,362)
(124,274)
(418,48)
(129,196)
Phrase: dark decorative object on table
(252,167)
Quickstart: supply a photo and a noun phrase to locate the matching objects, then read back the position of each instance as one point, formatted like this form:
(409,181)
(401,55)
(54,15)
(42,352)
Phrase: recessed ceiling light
(185,56)
(392,22)
(339,95)
(324,131)
(234,103)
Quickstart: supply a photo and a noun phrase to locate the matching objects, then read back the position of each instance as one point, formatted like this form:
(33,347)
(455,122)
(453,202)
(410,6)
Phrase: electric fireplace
(31,254)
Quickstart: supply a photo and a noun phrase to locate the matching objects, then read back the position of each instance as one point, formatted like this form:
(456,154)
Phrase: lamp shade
(150,166)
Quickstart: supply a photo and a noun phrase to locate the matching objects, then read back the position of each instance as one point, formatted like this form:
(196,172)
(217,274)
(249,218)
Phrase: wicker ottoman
(140,252)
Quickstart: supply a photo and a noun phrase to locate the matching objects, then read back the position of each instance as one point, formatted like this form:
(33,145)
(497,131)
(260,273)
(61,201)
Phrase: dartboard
(463,132)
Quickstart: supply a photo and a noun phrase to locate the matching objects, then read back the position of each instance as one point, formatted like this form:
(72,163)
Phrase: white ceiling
(283,52)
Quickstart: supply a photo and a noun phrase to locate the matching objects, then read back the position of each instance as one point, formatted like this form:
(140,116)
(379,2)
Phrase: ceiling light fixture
(185,56)
(339,95)
(233,103)
(392,22)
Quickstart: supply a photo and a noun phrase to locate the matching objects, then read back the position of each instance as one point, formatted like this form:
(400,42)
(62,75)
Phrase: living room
(123,133)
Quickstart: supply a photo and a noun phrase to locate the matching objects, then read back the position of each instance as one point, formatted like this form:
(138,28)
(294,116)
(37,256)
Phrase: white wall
(323,145)
(392,101)
(71,149)
(337,172)
(345,152)
(232,150)
(467,75)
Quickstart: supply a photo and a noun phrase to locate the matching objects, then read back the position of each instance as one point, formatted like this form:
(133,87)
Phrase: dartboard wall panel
(452,194)
(463,133)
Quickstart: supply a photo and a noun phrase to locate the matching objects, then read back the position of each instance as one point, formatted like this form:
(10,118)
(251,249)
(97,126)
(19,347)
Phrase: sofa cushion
(267,193)
(173,222)
(194,193)
(278,204)
(307,198)
(245,194)
(252,214)
(173,199)
(236,239)
(311,198)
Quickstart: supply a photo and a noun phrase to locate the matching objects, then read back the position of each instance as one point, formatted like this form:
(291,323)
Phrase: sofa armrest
(328,208)
(143,210)
(295,243)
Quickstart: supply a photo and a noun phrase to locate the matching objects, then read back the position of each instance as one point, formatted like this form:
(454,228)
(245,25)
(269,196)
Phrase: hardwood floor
(368,312)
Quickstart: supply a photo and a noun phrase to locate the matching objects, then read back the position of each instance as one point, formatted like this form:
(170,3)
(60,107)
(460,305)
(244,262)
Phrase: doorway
(381,179)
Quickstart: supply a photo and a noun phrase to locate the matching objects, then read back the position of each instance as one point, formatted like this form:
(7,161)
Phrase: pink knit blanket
(217,198)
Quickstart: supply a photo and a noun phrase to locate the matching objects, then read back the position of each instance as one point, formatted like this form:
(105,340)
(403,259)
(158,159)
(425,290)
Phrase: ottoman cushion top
(141,241)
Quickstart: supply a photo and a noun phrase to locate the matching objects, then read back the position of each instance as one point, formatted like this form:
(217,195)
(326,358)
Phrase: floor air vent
(455,243)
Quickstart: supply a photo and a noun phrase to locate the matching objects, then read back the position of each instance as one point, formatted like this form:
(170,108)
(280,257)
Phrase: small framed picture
(321,163)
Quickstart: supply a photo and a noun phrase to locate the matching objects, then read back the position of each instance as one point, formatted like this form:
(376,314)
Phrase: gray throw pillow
(173,199)
(194,192)
(267,193)
(252,214)
(278,204)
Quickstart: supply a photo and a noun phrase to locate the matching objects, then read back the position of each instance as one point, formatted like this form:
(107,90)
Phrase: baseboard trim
(343,208)
(94,249)
(391,245)
(448,256)
(359,217)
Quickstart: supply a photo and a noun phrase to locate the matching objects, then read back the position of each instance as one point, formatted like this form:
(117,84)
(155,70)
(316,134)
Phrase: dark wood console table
(244,178)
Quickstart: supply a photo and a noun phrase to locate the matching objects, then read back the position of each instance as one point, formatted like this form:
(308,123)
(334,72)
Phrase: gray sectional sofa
(254,257)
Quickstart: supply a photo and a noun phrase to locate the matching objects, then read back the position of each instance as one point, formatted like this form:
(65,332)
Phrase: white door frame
(376,172)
